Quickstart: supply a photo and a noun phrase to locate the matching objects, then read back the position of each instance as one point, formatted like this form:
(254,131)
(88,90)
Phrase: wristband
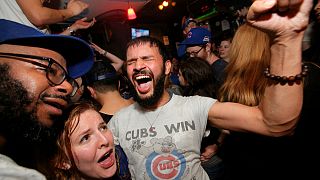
(287,79)
(71,31)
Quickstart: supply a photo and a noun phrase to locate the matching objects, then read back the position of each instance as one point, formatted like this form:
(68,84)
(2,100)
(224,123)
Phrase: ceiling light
(160,7)
(131,14)
(165,3)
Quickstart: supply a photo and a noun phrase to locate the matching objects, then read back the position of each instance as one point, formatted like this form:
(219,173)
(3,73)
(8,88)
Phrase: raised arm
(79,24)
(116,62)
(41,16)
(278,112)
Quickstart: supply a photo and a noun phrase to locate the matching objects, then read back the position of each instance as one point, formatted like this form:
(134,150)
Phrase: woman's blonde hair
(249,55)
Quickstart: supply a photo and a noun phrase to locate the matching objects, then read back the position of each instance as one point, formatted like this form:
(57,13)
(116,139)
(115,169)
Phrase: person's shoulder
(126,110)
(219,66)
(10,170)
(177,97)
(220,62)
(191,98)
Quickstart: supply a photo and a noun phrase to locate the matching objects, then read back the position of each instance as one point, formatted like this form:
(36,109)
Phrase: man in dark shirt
(198,44)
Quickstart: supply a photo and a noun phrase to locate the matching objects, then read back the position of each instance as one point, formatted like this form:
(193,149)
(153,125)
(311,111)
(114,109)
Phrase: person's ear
(208,47)
(92,92)
(167,66)
(64,165)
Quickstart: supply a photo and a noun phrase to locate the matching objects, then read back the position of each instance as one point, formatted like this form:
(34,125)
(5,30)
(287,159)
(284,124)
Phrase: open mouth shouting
(143,82)
(107,160)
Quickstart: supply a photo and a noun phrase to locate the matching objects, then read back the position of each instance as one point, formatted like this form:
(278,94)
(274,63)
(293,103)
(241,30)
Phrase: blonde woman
(252,156)
(249,55)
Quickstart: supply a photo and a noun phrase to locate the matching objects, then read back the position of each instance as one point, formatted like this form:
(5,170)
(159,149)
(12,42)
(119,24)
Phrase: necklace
(155,119)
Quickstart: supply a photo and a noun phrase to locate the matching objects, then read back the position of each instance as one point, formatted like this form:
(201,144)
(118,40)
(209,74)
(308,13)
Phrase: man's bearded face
(155,96)
(16,120)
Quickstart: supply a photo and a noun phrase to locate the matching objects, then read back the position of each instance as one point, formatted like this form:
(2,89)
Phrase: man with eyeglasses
(37,80)
(198,44)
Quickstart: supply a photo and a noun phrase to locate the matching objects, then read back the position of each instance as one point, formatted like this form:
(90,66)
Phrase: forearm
(46,16)
(115,61)
(79,24)
(68,31)
(39,15)
(281,104)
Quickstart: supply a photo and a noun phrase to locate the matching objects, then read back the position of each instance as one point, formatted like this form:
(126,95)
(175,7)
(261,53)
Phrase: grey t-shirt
(9,170)
(165,143)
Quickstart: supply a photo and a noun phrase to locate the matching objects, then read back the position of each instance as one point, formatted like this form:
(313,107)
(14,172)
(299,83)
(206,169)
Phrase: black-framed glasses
(55,73)
(194,53)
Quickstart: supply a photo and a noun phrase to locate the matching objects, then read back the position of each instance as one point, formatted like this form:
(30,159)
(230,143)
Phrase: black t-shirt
(218,68)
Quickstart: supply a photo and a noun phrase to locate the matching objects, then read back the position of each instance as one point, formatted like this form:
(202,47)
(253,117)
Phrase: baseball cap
(102,70)
(77,53)
(196,36)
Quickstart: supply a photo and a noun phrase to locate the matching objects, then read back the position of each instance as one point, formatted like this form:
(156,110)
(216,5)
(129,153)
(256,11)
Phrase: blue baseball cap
(77,53)
(196,36)
(102,71)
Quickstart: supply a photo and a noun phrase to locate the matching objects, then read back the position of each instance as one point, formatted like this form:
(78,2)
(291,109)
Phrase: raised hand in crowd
(76,6)
(79,24)
(116,62)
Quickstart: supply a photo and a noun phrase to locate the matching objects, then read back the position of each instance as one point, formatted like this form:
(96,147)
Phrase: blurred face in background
(224,49)
(196,51)
(182,80)
(175,65)
(79,92)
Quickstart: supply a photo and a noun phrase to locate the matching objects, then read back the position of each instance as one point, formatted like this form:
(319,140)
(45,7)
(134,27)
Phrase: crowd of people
(246,112)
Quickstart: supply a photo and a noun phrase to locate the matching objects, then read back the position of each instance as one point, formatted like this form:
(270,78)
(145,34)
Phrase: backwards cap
(77,53)
(102,71)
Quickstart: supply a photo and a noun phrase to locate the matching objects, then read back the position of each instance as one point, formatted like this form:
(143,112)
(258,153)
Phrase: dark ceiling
(147,10)
(151,14)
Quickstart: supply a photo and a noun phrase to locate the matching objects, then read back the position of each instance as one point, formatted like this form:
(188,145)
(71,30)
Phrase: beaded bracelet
(287,79)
